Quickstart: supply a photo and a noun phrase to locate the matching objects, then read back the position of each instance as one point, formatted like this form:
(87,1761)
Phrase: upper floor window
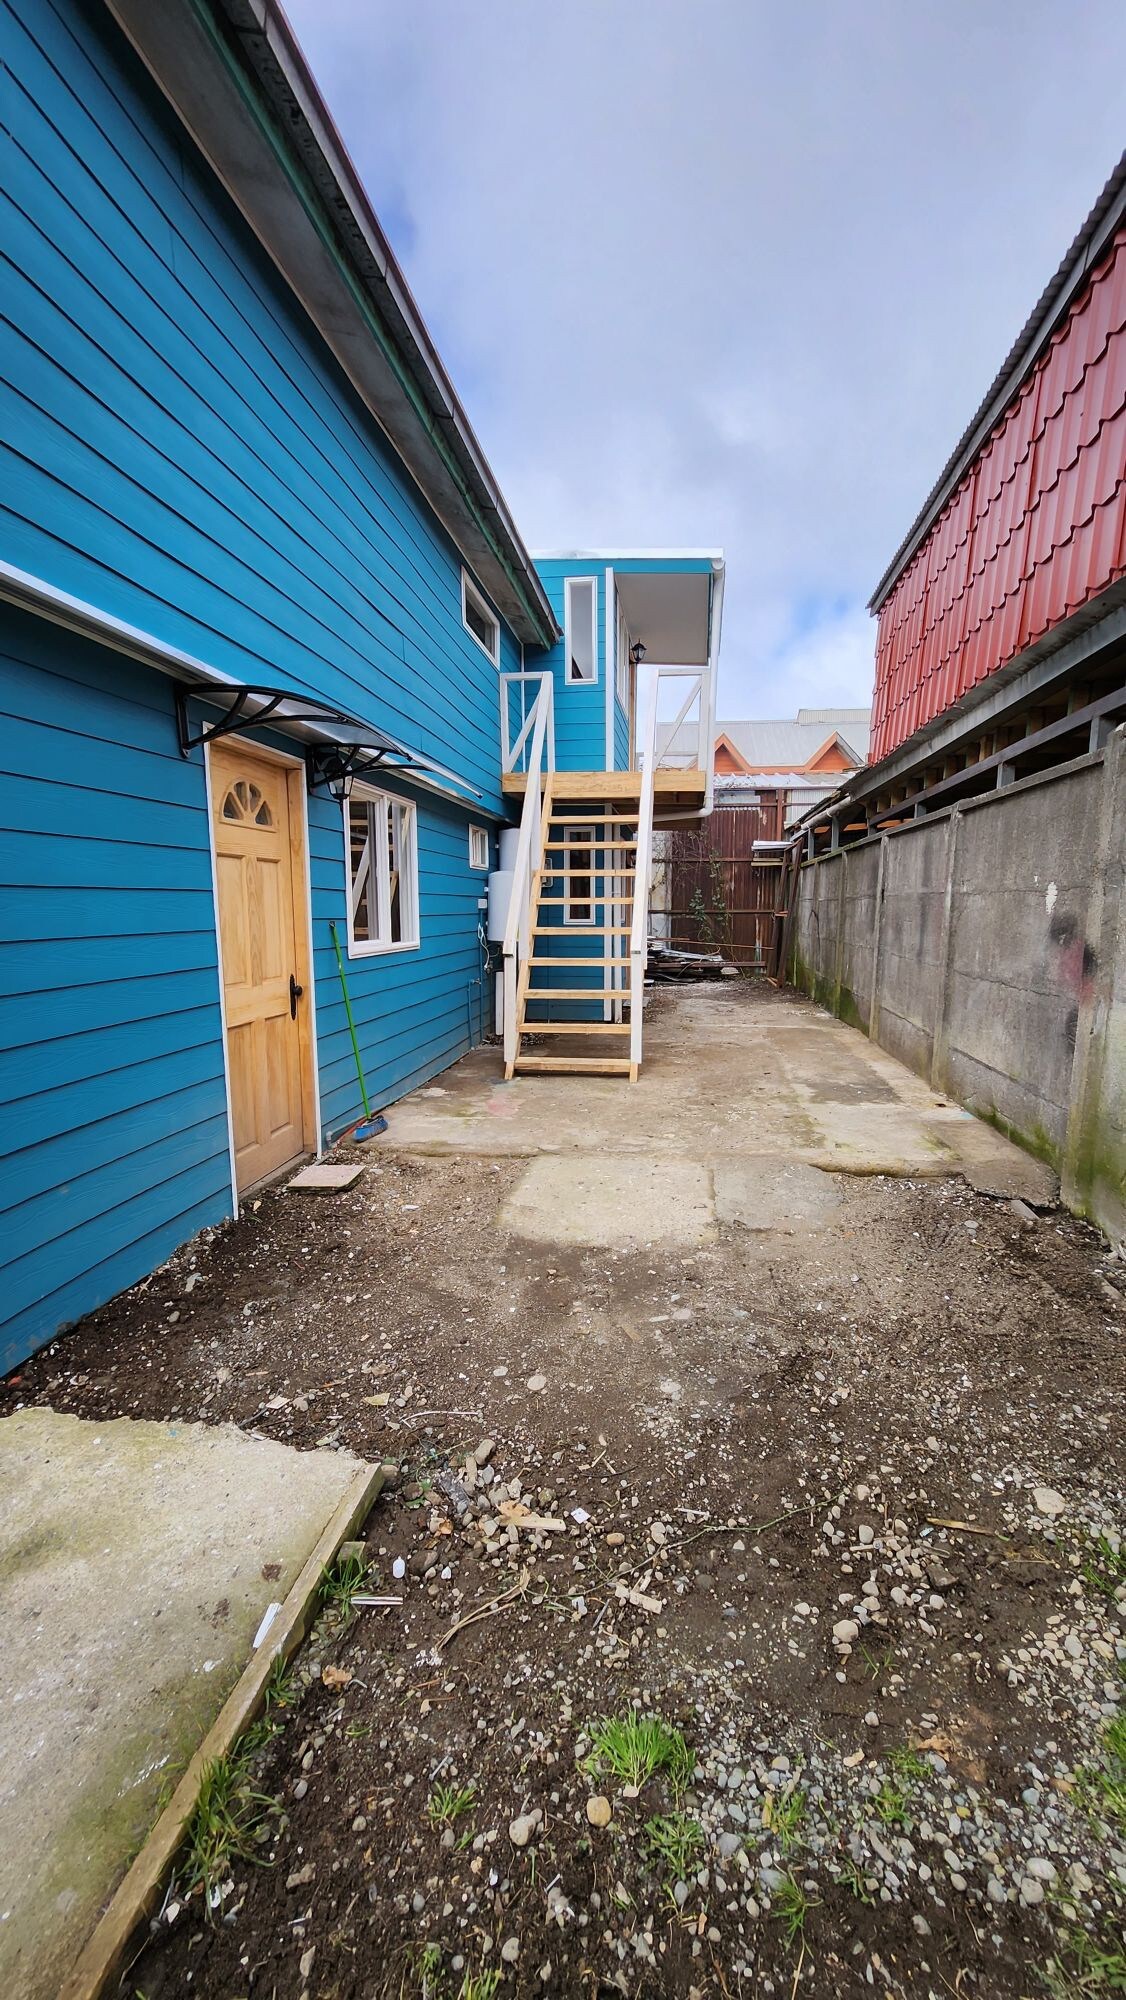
(381,850)
(479,620)
(580,628)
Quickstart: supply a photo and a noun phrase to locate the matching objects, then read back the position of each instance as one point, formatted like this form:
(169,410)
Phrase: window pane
(580,598)
(362,864)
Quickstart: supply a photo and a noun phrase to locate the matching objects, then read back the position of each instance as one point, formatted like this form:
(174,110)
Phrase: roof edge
(1054,302)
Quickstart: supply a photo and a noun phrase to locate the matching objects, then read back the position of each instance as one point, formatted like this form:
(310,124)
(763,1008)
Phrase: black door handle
(295,992)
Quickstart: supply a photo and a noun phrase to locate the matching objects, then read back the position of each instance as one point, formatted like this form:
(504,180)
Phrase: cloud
(727,272)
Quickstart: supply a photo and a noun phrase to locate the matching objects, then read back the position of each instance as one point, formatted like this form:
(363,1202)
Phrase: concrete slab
(136,1562)
(579,1198)
(325,1178)
(726,1073)
(771,1194)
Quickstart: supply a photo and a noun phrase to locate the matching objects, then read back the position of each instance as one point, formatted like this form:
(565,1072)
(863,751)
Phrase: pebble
(484,1451)
(845,1631)
(510,1950)
(1049,1502)
(1031,1891)
(599,1811)
(536,1383)
(522,1828)
(615,1541)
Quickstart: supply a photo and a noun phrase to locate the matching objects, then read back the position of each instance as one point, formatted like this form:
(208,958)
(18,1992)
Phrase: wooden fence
(719,895)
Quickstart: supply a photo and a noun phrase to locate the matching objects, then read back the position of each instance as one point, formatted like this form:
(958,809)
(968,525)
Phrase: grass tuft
(783,1814)
(635,1748)
(1105,1567)
(447,1803)
(228,1823)
(674,1841)
(340,1582)
(791,1906)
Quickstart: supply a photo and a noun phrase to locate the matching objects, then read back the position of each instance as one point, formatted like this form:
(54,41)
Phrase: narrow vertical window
(479,619)
(580,633)
(381,850)
(478,847)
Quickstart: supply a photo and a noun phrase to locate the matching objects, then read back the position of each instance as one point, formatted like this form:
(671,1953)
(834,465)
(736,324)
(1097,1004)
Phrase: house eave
(237,80)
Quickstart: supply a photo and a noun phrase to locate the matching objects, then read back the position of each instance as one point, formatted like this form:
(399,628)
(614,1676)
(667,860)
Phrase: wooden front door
(260,877)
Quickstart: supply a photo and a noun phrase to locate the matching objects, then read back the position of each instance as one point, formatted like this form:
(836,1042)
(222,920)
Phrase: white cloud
(726,272)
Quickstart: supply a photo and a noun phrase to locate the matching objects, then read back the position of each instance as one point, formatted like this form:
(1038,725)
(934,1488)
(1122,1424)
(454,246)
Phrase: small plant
(674,1841)
(1101,1789)
(908,1765)
(874,1666)
(783,1815)
(635,1747)
(227,1824)
(479,1985)
(340,1584)
(426,1966)
(791,1906)
(447,1803)
(1086,1968)
(1105,1567)
(852,1877)
(890,1804)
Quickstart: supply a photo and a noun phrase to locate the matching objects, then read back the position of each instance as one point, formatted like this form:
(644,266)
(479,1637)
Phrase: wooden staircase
(581,891)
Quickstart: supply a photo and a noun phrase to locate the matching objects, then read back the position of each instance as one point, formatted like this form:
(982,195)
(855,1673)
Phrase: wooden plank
(579,961)
(577,785)
(102,1957)
(576,1027)
(579,1066)
(580,992)
(569,930)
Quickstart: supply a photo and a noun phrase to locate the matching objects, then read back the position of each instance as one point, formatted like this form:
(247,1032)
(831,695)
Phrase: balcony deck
(674,791)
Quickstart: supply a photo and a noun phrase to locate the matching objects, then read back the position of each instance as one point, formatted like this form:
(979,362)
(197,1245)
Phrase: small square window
(382,857)
(478,847)
(479,620)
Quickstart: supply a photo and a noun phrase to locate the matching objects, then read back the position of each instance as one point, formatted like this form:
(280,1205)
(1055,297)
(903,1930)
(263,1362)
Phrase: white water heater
(500,896)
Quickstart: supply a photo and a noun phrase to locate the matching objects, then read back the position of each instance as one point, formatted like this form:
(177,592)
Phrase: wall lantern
(336,767)
(637,652)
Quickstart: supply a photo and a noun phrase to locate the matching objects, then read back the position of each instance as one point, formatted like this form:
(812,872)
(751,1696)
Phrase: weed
(1101,1789)
(908,1765)
(890,1804)
(426,1965)
(1105,1567)
(874,1667)
(852,1877)
(358,1732)
(674,1841)
(791,1906)
(228,1822)
(281,1689)
(1085,1968)
(784,1815)
(340,1584)
(479,1985)
(635,1747)
(447,1803)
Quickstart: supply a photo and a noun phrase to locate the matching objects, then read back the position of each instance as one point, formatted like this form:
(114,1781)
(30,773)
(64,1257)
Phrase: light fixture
(637,652)
(337,767)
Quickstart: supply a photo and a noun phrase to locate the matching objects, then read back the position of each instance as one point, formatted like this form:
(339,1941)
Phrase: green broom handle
(351,1023)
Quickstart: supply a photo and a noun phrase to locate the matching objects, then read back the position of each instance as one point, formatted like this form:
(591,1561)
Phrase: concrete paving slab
(136,1563)
(770,1193)
(325,1178)
(581,1198)
(749,1072)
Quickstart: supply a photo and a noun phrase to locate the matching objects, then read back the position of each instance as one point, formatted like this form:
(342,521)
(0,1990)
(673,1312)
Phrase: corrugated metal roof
(1055,300)
(1035,530)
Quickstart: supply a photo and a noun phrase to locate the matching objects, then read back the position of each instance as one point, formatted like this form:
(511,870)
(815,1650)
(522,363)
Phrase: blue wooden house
(275,665)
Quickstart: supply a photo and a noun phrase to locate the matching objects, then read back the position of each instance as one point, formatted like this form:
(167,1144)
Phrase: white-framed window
(580,628)
(381,861)
(478,619)
(578,876)
(478,847)
(621,661)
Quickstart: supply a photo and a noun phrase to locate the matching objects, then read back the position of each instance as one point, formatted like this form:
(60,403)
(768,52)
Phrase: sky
(728,273)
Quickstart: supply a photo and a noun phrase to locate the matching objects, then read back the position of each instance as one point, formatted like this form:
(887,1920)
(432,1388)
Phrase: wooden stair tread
(589,819)
(577,993)
(574,1028)
(578,1065)
(582,846)
(579,961)
(568,930)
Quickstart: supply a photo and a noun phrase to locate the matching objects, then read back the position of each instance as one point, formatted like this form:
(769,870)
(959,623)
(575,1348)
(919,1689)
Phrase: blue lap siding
(179,449)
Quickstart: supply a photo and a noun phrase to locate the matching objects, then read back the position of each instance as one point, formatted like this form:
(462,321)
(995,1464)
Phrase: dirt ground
(840,1502)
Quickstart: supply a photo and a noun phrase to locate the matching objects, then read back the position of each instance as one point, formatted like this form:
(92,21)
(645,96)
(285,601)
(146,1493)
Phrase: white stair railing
(538,733)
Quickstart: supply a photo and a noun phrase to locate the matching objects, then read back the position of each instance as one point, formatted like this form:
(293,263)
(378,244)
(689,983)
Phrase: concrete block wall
(985,947)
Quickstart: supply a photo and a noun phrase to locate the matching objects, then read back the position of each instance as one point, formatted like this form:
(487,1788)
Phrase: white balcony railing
(535,744)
